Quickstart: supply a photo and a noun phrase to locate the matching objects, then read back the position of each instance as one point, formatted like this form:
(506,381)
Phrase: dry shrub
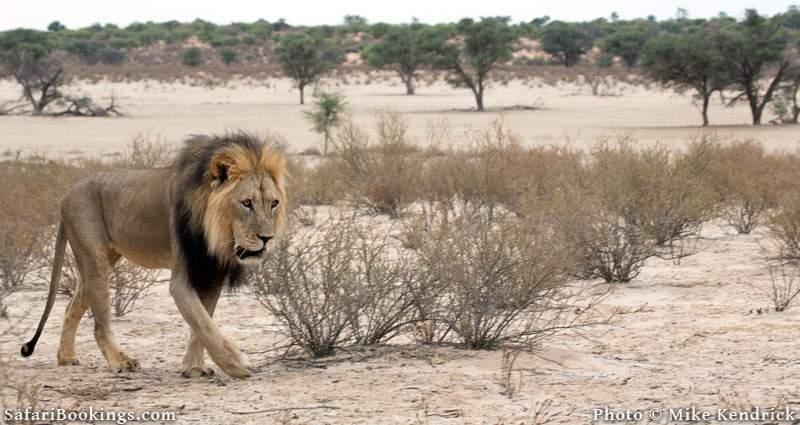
(784,226)
(784,285)
(504,281)
(783,220)
(783,223)
(629,205)
(382,176)
(130,283)
(494,171)
(31,190)
(145,151)
(343,283)
(384,288)
(301,283)
(313,181)
(670,196)
(743,176)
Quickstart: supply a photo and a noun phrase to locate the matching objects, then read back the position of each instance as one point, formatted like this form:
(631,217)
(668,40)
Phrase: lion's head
(233,197)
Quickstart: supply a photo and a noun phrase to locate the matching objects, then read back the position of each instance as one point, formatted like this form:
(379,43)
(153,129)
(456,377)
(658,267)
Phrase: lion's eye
(248,204)
(274,204)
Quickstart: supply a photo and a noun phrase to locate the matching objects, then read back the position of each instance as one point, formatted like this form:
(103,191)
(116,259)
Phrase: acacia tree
(628,40)
(398,50)
(486,43)
(567,42)
(26,55)
(305,59)
(748,49)
(687,62)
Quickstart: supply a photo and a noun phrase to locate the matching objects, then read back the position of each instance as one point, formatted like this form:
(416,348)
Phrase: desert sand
(699,333)
(567,114)
(685,335)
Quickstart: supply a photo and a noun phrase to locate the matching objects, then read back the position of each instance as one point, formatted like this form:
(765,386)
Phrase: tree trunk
(302,95)
(795,108)
(756,111)
(407,77)
(756,107)
(478,99)
(409,86)
(325,146)
(706,97)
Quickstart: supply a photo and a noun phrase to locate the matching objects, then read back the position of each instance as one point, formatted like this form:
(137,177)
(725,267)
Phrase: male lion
(205,217)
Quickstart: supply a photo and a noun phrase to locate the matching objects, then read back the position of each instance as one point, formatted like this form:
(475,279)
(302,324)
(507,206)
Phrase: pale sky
(37,14)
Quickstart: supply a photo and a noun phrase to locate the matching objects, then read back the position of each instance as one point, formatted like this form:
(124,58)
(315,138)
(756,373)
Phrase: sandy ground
(569,114)
(687,335)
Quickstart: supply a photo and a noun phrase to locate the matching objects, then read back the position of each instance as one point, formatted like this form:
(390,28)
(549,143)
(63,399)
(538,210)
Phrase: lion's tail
(58,261)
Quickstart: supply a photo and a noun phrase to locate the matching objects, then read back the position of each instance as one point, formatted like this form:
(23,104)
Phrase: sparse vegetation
(326,116)
(380,176)
(742,174)
(130,283)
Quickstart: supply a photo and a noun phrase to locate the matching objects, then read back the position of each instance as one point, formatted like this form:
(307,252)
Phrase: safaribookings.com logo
(88,415)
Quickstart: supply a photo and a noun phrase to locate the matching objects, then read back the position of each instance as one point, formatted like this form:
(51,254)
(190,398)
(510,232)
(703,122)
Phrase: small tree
(687,62)
(192,57)
(398,50)
(305,59)
(627,41)
(486,44)
(56,26)
(327,115)
(566,42)
(26,54)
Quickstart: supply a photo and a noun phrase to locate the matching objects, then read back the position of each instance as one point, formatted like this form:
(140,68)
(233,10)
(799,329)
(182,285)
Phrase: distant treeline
(753,59)
(564,42)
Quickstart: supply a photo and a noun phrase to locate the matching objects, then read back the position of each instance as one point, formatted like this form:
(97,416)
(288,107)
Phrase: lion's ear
(220,167)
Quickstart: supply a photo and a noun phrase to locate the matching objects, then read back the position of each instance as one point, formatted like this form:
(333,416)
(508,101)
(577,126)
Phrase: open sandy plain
(695,334)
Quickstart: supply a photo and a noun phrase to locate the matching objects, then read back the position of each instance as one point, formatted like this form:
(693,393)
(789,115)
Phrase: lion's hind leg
(75,310)
(95,260)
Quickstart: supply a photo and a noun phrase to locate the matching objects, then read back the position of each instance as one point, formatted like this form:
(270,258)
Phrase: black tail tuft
(27,349)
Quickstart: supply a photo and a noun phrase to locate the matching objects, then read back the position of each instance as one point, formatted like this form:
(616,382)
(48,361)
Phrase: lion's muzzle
(249,254)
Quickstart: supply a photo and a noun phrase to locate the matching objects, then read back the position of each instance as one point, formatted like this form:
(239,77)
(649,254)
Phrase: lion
(208,217)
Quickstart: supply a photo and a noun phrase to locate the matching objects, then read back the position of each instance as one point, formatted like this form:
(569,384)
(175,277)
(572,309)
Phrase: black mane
(205,271)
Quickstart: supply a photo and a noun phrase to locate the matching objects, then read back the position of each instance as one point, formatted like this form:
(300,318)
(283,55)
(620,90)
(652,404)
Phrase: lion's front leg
(194,360)
(221,350)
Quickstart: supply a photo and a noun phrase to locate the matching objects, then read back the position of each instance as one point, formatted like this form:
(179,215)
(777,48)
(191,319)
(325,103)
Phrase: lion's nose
(265,239)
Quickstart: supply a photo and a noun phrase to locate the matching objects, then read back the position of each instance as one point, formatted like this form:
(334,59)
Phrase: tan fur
(130,214)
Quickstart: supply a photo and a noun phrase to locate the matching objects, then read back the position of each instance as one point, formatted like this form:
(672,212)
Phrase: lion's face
(255,205)
(245,207)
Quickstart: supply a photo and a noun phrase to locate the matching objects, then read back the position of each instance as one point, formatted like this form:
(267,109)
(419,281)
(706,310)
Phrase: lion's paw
(126,365)
(198,372)
(68,361)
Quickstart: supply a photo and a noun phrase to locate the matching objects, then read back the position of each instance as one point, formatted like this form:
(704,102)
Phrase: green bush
(228,55)
(110,56)
(192,56)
